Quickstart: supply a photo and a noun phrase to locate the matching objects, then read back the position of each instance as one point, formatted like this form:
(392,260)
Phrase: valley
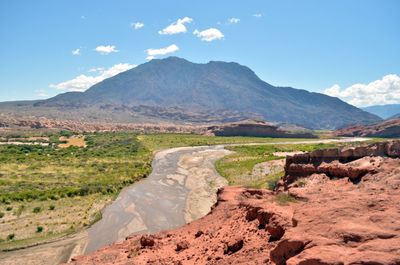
(74,218)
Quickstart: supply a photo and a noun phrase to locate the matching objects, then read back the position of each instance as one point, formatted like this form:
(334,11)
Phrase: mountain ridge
(227,90)
(386,111)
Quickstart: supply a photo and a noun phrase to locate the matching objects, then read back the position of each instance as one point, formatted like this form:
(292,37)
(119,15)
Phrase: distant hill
(384,111)
(397,116)
(178,90)
(389,129)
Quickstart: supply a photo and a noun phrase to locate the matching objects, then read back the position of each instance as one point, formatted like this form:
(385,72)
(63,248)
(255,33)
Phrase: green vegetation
(66,187)
(10,236)
(111,161)
(1,214)
(283,198)
(37,209)
(162,141)
(301,182)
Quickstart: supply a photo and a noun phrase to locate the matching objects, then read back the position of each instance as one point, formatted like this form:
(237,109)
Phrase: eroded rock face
(332,221)
(388,128)
(338,162)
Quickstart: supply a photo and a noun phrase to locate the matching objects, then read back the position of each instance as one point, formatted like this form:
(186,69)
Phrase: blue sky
(323,46)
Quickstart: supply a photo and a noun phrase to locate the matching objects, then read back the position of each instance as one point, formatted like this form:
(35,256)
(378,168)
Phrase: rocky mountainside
(331,213)
(388,128)
(384,111)
(176,89)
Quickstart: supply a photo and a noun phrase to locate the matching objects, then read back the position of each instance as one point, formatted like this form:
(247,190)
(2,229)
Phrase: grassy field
(47,191)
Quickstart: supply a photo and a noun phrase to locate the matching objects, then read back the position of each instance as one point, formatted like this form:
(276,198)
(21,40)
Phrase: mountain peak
(175,88)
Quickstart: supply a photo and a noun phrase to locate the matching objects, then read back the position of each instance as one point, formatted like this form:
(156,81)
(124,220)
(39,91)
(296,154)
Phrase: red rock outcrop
(338,162)
(328,220)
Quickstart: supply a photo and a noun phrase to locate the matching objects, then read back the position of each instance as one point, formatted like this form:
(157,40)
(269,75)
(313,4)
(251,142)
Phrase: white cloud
(257,15)
(378,92)
(176,27)
(152,53)
(83,82)
(76,52)
(233,20)
(209,34)
(41,93)
(106,49)
(137,25)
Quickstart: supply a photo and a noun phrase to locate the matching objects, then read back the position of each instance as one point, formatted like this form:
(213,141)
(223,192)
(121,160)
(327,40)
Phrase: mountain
(178,90)
(383,111)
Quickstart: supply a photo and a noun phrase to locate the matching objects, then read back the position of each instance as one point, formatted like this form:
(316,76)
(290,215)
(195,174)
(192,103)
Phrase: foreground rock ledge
(319,220)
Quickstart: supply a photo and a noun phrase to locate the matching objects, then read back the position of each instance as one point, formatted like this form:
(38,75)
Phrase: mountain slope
(227,90)
(388,128)
(384,111)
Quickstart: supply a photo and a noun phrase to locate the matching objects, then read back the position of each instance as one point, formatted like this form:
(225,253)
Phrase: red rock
(147,241)
(234,245)
(182,245)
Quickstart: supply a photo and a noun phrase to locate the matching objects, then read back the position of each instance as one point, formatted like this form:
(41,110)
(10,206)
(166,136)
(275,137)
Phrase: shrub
(52,207)
(11,236)
(301,182)
(9,208)
(39,229)
(37,209)
(284,198)
(1,214)
(20,209)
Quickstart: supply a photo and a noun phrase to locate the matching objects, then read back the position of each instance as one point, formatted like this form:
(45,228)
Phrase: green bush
(284,198)
(52,207)
(1,214)
(39,229)
(11,237)
(37,209)
(9,208)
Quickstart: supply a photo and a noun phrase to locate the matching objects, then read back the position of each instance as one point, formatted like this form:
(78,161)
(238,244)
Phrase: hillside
(175,89)
(389,128)
(384,111)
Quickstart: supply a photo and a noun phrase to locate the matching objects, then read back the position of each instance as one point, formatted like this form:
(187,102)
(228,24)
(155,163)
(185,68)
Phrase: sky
(348,49)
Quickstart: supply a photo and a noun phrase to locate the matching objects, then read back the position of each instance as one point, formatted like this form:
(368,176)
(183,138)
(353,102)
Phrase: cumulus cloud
(210,34)
(83,82)
(233,20)
(137,25)
(378,92)
(176,27)
(76,52)
(152,53)
(106,49)
(257,15)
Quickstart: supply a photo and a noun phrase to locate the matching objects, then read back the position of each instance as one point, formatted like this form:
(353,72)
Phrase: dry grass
(78,141)
(56,217)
